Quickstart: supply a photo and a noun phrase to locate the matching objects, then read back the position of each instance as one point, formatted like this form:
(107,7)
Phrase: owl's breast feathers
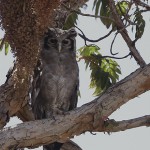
(57,86)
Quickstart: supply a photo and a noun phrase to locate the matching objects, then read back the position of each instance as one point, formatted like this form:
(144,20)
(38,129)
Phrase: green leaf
(0,44)
(118,71)
(71,20)
(122,7)
(4,44)
(105,12)
(140,24)
(6,48)
(89,50)
(104,72)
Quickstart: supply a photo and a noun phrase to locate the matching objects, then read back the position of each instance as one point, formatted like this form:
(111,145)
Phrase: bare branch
(115,126)
(125,35)
(112,45)
(99,39)
(138,2)
(87,58)
(89,117)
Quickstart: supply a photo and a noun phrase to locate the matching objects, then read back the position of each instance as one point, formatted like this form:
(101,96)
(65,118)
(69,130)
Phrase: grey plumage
(55,81)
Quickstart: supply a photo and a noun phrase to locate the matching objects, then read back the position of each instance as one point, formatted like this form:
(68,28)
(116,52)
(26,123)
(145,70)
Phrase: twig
(87,15)
(89,40)
(126,17)
(117,57)
(112,45)
(142,4)
(125,35)
(83,35)
(86,57)
(115,126)
(142,11)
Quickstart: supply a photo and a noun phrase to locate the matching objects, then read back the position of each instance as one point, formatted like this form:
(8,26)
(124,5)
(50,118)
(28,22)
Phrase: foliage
(123,8)
(5,45)
(140,24)
(102,8)
(71,20)
(104,71)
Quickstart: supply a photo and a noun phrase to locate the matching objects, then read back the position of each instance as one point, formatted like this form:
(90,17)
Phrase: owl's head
(59,40)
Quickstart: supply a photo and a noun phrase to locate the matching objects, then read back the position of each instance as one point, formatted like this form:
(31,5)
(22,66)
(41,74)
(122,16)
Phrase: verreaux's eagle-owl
(55,81)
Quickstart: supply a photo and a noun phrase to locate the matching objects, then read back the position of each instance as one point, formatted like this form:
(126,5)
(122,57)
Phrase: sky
(137,138)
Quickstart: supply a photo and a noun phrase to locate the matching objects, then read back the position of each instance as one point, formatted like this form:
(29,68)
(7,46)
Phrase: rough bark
(89,117)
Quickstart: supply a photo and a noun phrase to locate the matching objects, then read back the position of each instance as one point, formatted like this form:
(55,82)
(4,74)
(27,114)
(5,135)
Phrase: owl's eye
(66,42)
(52,41)
(73,31)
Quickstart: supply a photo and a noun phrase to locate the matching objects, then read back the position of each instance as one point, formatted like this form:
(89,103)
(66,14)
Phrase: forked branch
(124,33)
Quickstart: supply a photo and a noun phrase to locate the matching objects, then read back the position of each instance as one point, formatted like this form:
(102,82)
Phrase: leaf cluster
(104,71)
(71,20)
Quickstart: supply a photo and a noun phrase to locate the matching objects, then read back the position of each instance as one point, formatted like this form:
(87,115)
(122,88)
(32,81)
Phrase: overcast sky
(131,139)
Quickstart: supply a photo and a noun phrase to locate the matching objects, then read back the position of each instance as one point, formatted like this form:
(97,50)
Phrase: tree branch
(125,35)
(89,117)
(142,4)
(25,114)
(115,126)
(87,15)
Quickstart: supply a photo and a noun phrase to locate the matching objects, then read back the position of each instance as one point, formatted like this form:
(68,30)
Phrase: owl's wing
(74,97)
(35,87)
(35,90)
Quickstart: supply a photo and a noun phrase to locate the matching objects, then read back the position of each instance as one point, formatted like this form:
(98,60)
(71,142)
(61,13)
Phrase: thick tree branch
(89,117)
(24,135)
(124,33)
(25,114)
(115,126)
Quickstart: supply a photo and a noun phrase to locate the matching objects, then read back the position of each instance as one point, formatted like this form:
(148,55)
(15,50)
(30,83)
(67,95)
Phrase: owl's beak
(59,47)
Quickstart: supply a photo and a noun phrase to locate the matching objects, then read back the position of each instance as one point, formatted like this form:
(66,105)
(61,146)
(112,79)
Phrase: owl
(56,77)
